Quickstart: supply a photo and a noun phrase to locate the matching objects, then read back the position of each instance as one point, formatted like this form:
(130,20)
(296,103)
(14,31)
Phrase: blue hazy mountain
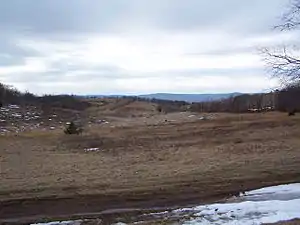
(177,97)
(190,97)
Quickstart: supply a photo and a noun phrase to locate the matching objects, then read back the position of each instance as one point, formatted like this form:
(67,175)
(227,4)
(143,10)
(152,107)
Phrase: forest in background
(286,99)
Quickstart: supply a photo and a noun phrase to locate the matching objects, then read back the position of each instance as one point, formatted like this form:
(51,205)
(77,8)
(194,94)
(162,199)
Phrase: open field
(151,161)
(293,222)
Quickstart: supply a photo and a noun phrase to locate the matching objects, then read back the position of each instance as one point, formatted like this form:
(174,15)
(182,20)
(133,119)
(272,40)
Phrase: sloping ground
(21,118)
(292,222)
(122,107)
(21,112)
(146,164)
(136,109)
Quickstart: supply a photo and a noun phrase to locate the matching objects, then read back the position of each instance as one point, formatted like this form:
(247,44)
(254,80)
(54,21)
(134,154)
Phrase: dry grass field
(154,160)
(293,222)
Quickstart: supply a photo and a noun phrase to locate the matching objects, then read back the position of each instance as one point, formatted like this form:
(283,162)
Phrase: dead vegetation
(133,155)
(292,222)
(144,162)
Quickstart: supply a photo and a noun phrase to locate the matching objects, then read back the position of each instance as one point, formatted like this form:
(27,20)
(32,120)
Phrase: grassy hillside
(163,160)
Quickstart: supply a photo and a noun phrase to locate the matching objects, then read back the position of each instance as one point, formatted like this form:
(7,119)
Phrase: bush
(292,113)
(72,128)
(159,109)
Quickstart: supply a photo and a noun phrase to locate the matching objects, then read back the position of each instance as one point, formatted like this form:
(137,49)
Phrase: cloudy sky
(138,46)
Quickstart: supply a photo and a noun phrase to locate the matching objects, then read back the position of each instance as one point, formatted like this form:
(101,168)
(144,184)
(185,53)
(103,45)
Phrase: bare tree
(284,62)
(291,18)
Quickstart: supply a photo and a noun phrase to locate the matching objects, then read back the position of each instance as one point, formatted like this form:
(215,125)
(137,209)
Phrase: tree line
(10,95)
(284,100)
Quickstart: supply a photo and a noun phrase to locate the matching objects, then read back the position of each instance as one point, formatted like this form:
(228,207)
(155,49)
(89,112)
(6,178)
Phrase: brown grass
(292,222)
(149,159)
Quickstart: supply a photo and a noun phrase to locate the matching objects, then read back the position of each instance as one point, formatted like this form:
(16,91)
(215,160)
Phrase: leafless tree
(284,62)
(291,18)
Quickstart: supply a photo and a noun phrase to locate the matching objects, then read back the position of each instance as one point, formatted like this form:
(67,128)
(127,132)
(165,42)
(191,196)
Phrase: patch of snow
(291,188)
(13,106)
(157,213)
(91,149)
(3,130)
(74,222)
(266,205)
(246,213)
(17,115)
(281,192)
(101,121)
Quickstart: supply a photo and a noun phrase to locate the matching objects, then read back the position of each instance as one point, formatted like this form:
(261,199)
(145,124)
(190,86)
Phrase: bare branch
(291,19)
(282,64)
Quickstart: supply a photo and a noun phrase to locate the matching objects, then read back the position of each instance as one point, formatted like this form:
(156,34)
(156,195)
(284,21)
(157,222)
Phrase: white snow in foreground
(281,192)
(247,213)
(278,189)
(278,203)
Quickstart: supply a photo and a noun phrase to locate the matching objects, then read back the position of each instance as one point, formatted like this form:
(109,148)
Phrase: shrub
(72,128)
(292,113)
(159,109)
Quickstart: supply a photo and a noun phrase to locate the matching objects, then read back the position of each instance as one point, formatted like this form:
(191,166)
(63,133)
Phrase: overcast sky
(138,46)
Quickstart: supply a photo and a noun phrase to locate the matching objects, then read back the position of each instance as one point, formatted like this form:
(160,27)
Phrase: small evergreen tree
(72,128)
(159,108)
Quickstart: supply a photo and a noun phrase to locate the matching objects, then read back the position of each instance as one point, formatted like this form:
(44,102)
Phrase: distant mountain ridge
(178,97)
(190,97)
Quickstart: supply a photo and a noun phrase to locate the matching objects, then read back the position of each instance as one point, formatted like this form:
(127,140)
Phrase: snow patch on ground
(92,149)
(74,222)
(266,205)
(246,213)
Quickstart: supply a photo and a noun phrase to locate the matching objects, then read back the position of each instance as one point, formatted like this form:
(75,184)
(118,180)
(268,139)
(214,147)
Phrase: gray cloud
(74,22)
(55,16)
(10,52)
(198,14)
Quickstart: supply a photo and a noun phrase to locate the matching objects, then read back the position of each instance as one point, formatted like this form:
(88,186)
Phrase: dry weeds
(150,159)
(292,222)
